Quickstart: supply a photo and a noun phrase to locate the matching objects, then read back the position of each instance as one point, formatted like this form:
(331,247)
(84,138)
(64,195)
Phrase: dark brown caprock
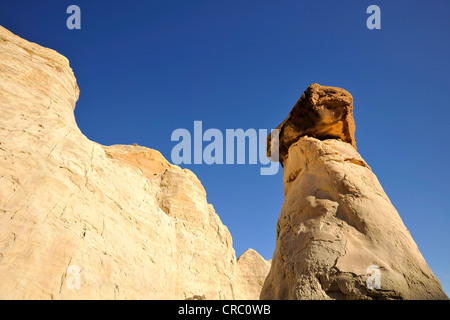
(321,112)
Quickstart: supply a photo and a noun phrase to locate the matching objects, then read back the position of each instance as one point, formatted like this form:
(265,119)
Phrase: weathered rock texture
(321,112)
(251,273)
(335,223)
(137,226)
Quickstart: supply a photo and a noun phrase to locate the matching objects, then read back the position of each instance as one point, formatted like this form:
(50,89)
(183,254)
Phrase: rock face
(338,235)
(252,271)
(79,220)
(321,112)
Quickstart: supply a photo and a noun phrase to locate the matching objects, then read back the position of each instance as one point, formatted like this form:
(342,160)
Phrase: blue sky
(146,68)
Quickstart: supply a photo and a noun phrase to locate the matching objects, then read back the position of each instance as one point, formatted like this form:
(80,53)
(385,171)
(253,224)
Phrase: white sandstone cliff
(137,226)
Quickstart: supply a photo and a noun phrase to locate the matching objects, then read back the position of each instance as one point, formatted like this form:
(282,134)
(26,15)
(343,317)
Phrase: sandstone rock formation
(251,272)
(321,112)
(136,226)
(338,235)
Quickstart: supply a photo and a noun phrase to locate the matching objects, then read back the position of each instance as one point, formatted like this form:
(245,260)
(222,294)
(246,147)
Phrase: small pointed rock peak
(321,112)
(250,254)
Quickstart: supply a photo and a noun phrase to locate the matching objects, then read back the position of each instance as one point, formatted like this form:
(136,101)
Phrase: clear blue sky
(146,68)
